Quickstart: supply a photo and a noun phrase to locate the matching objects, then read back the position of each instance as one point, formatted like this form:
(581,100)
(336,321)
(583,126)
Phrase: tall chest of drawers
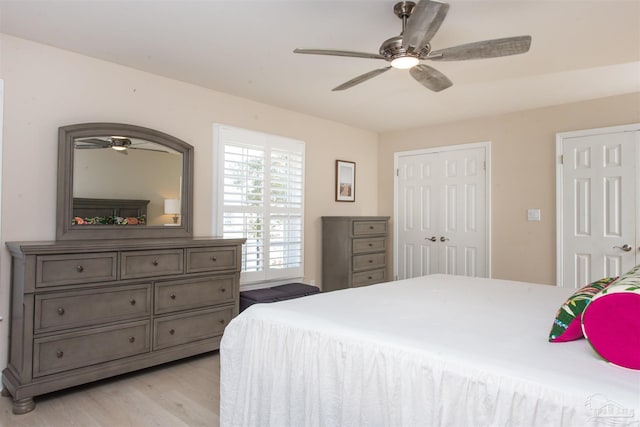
(354,251)
(87,310)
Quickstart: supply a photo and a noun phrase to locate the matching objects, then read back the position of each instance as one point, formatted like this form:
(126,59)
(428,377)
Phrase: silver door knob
(624,247)
(443,239)
(432,238)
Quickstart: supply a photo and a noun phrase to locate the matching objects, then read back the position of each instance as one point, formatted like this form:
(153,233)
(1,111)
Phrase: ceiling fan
(420,22)
(118,143)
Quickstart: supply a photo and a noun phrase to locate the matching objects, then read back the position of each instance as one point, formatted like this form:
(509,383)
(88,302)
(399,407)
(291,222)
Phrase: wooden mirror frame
(65,230)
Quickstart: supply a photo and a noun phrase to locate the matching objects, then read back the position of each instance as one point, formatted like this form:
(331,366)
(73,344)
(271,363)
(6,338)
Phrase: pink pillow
(611,322)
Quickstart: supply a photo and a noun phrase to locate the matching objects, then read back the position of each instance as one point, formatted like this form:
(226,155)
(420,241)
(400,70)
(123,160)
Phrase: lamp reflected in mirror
(172,207)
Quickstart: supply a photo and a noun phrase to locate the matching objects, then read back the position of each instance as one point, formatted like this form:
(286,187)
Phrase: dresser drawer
(211,259)
(369,261)
(372,244)
(75,350)
(85,308)
(181,329)
(55,270)
(163,262)
(193,293)
(363,228)
(368,278)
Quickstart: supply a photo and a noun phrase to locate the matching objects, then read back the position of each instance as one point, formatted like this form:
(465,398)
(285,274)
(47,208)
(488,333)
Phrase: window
(259,192)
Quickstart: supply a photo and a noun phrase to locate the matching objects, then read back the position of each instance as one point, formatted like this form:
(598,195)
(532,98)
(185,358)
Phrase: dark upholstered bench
(276,293)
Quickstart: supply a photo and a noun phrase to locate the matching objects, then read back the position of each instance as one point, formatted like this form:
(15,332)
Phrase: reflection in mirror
(114,181)
(109,167)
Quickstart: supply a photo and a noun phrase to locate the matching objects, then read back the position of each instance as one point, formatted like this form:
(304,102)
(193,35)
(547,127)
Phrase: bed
(429,351)
(109,211)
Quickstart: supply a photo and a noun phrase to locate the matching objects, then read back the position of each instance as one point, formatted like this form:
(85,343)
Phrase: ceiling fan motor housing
(392,49)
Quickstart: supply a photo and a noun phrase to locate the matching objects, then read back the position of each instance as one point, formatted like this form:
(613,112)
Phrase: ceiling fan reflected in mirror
(119,143)
(420,22)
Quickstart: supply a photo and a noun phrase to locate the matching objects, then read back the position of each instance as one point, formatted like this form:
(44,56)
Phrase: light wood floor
(184,393)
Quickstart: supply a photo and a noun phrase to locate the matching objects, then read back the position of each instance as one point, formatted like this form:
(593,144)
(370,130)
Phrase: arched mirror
(118,181)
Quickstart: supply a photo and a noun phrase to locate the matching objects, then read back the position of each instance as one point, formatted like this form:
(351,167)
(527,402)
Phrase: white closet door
(599,200)
(417,224)
(441,212)
(463,231)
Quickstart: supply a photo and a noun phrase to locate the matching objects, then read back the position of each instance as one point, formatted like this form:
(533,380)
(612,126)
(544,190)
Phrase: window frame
(268,143)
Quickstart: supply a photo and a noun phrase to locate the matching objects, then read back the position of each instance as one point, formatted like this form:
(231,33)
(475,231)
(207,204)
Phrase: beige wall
(523,174)
(46,88)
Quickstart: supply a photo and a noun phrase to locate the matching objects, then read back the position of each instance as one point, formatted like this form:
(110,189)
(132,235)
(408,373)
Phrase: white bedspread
(431,351)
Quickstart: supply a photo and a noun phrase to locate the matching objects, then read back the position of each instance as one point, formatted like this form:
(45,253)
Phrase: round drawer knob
(132,339)
(221,321)
(60,311)
(155,262)
(132,302)
(214,259)
(370,244)
(172,331)
(371,227)
(59,354)
(79,268)
(172,296)
(370,261)
(223,289)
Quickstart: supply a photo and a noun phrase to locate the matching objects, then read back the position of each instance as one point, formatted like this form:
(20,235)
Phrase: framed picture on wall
(345,181)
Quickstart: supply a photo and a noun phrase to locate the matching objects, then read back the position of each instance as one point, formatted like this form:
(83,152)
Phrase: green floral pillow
(567,324)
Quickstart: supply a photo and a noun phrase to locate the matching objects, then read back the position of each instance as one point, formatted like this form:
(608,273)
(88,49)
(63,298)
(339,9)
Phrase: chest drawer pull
(79,268)
(172,296)
(223,289)
(221,321)
(60,311)
(173,331)
(155,262)
(370,261)
(132,339)
(214,259)
(132,302)
(59,354)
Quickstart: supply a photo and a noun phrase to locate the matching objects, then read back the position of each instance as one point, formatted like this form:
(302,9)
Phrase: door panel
(599,187)
(415,216)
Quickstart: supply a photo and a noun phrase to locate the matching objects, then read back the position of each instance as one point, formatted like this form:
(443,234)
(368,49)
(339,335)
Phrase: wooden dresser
(86,310)
(354,251)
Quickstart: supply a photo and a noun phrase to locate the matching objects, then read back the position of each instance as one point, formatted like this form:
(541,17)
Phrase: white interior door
(598,197)
(417,221)
(441,214)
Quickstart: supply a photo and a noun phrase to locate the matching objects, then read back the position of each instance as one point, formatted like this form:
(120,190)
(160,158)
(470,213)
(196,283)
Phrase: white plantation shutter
(260,186)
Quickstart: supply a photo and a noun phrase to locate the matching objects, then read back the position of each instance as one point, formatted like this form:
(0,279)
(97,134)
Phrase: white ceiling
(581,49)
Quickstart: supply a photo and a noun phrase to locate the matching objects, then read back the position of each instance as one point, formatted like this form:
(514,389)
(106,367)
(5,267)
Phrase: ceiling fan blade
(484,49)
(89,147)
(362,78)
(147,149)
(430,78)
(423,23)
(347,53)
(98,142)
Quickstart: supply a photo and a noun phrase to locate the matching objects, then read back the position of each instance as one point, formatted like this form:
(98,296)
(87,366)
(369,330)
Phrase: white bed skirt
(435,351)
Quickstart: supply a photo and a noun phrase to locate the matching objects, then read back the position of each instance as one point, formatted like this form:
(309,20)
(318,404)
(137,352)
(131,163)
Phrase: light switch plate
(533,214)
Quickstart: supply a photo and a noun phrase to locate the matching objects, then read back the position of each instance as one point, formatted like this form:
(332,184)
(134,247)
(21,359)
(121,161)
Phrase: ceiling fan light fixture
(120,143)
(404,62)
